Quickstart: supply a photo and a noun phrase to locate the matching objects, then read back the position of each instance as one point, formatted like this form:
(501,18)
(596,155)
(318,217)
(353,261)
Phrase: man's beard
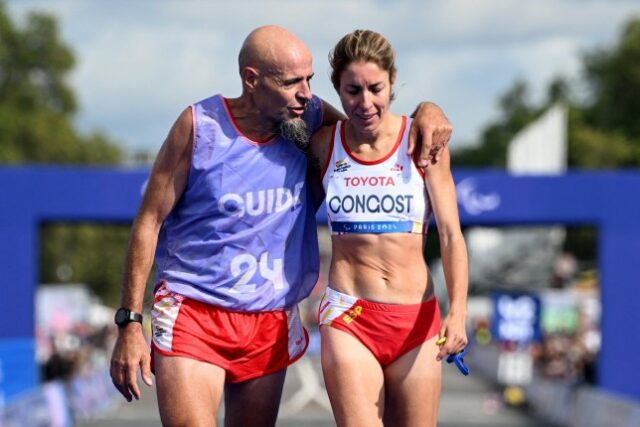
(297,132)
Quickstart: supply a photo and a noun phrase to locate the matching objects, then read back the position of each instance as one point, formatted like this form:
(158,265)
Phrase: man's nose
(305,91)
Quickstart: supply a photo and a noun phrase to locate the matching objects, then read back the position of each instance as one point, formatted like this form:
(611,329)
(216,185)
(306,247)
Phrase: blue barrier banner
(607,200)
(18,368)
(516,317)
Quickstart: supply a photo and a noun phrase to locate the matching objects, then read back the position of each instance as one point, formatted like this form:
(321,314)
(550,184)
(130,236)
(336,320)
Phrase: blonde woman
(379,317)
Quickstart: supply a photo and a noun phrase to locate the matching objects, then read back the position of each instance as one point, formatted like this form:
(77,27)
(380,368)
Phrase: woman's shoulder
(324,131)
(322,143)
(322,137)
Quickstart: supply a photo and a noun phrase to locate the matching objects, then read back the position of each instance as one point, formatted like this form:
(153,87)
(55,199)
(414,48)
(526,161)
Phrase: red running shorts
(387,330)
(245,344)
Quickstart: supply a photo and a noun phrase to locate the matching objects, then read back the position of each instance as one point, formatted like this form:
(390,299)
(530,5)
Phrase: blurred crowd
(572,338)
(79,351)
(74,332)
(569,339)
(571,353)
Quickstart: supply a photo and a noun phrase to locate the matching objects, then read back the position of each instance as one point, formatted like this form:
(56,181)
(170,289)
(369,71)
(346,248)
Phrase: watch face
(121,316)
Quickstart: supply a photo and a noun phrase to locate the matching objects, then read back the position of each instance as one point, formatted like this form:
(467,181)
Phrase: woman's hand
(453,329)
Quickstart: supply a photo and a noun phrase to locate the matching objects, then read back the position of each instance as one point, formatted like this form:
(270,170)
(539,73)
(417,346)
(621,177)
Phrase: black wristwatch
(124,316)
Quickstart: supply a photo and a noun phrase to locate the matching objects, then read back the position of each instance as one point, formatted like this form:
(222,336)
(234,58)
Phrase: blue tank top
(243,234)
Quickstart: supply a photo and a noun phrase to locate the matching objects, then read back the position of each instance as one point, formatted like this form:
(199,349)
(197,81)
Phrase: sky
(141,62)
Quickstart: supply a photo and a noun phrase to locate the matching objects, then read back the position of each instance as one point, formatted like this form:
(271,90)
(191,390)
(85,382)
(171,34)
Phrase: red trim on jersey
(232,119)
(330,153)
(372,162)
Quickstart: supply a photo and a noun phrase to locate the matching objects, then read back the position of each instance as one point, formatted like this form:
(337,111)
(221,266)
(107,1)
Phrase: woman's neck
(379,140)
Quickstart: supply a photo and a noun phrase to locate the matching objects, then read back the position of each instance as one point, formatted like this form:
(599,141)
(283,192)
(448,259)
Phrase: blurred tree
(515,113)
(613,76)
(36,103)
(37,108)
(84,253)
(592,148)
(603,129)
(606,132)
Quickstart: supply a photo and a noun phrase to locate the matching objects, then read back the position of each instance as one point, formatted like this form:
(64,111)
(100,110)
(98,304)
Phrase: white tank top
(382,196)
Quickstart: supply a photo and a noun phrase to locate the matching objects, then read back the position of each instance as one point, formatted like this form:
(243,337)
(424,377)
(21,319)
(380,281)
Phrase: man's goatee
(297,132)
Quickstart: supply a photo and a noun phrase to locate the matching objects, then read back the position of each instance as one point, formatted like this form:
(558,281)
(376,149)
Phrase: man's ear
(250,78)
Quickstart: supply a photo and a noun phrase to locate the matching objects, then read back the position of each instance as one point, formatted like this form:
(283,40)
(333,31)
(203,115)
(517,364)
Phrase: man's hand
(130,352)
(430,130)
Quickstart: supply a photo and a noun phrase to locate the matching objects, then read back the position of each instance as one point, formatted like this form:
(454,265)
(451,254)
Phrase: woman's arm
(442,192)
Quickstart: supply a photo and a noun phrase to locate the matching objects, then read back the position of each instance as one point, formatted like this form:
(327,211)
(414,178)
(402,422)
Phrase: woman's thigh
(354,379)
(412,384)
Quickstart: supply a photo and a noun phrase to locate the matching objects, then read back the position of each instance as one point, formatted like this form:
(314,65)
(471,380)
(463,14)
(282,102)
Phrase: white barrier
(553,400)
(595,408)
(46,406)
(563,402)
(56,404)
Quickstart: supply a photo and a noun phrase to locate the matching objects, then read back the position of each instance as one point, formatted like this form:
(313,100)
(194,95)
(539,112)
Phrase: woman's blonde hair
(362,46)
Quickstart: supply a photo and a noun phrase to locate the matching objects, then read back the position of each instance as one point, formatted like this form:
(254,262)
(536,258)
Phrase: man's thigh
(189,391)
(254,402)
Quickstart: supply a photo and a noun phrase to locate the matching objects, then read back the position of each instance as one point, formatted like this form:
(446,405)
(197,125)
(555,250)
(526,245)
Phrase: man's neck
(251,123)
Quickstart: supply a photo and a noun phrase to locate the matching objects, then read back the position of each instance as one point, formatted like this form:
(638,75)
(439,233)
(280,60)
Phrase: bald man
(226,214)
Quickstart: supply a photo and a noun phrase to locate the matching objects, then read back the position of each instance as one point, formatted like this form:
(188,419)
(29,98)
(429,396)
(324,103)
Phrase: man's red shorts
(245,344)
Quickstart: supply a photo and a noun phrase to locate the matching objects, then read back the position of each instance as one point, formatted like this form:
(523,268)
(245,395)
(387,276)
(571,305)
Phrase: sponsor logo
(259,202)
(397,168)
(473,201)
(342,166)
(369,181)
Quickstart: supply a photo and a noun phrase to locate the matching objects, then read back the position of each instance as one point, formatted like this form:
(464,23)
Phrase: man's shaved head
(275,69)
(266,47)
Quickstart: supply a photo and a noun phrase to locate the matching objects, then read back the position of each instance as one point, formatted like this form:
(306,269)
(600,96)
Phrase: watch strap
(124,316)
(135,317)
